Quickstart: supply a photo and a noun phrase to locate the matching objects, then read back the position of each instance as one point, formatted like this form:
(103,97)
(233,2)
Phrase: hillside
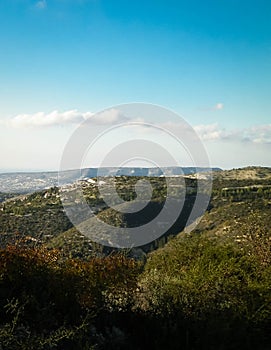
(40,216)
(250,173)
(204,290)
(27,182)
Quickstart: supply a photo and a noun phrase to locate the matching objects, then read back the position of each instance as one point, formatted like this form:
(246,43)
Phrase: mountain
(27,182)
(40,215)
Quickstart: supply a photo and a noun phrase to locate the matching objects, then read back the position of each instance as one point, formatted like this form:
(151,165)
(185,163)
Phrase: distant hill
(27,182)
(40,215)
(247,173)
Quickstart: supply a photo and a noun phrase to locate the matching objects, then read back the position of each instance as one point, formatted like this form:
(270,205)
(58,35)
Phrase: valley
(208,288)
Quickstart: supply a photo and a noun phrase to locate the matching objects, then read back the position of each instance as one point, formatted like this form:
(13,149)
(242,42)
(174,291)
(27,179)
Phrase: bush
(197,292)
(207,295)
(48,303)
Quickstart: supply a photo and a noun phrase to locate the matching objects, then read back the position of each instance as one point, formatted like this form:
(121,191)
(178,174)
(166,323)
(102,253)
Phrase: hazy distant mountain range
(25,182)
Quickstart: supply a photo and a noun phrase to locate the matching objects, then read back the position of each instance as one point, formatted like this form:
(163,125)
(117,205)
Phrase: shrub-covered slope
(210,289)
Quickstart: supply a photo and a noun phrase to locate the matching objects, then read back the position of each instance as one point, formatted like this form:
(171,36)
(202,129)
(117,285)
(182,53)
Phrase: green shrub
(207,294)
(48,303)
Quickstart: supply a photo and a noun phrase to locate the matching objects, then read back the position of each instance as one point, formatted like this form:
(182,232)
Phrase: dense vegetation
(210,289)
(40,215)
(197,292)
(49,303)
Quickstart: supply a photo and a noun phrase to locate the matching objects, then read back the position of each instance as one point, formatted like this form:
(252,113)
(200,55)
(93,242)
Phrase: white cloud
(209,132)
(110,116)
(42,119)
(41,5)
(219,106)
(260,134)
(56,118)
(255,134)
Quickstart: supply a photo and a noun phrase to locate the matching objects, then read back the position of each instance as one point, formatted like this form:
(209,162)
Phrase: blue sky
(210,61)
